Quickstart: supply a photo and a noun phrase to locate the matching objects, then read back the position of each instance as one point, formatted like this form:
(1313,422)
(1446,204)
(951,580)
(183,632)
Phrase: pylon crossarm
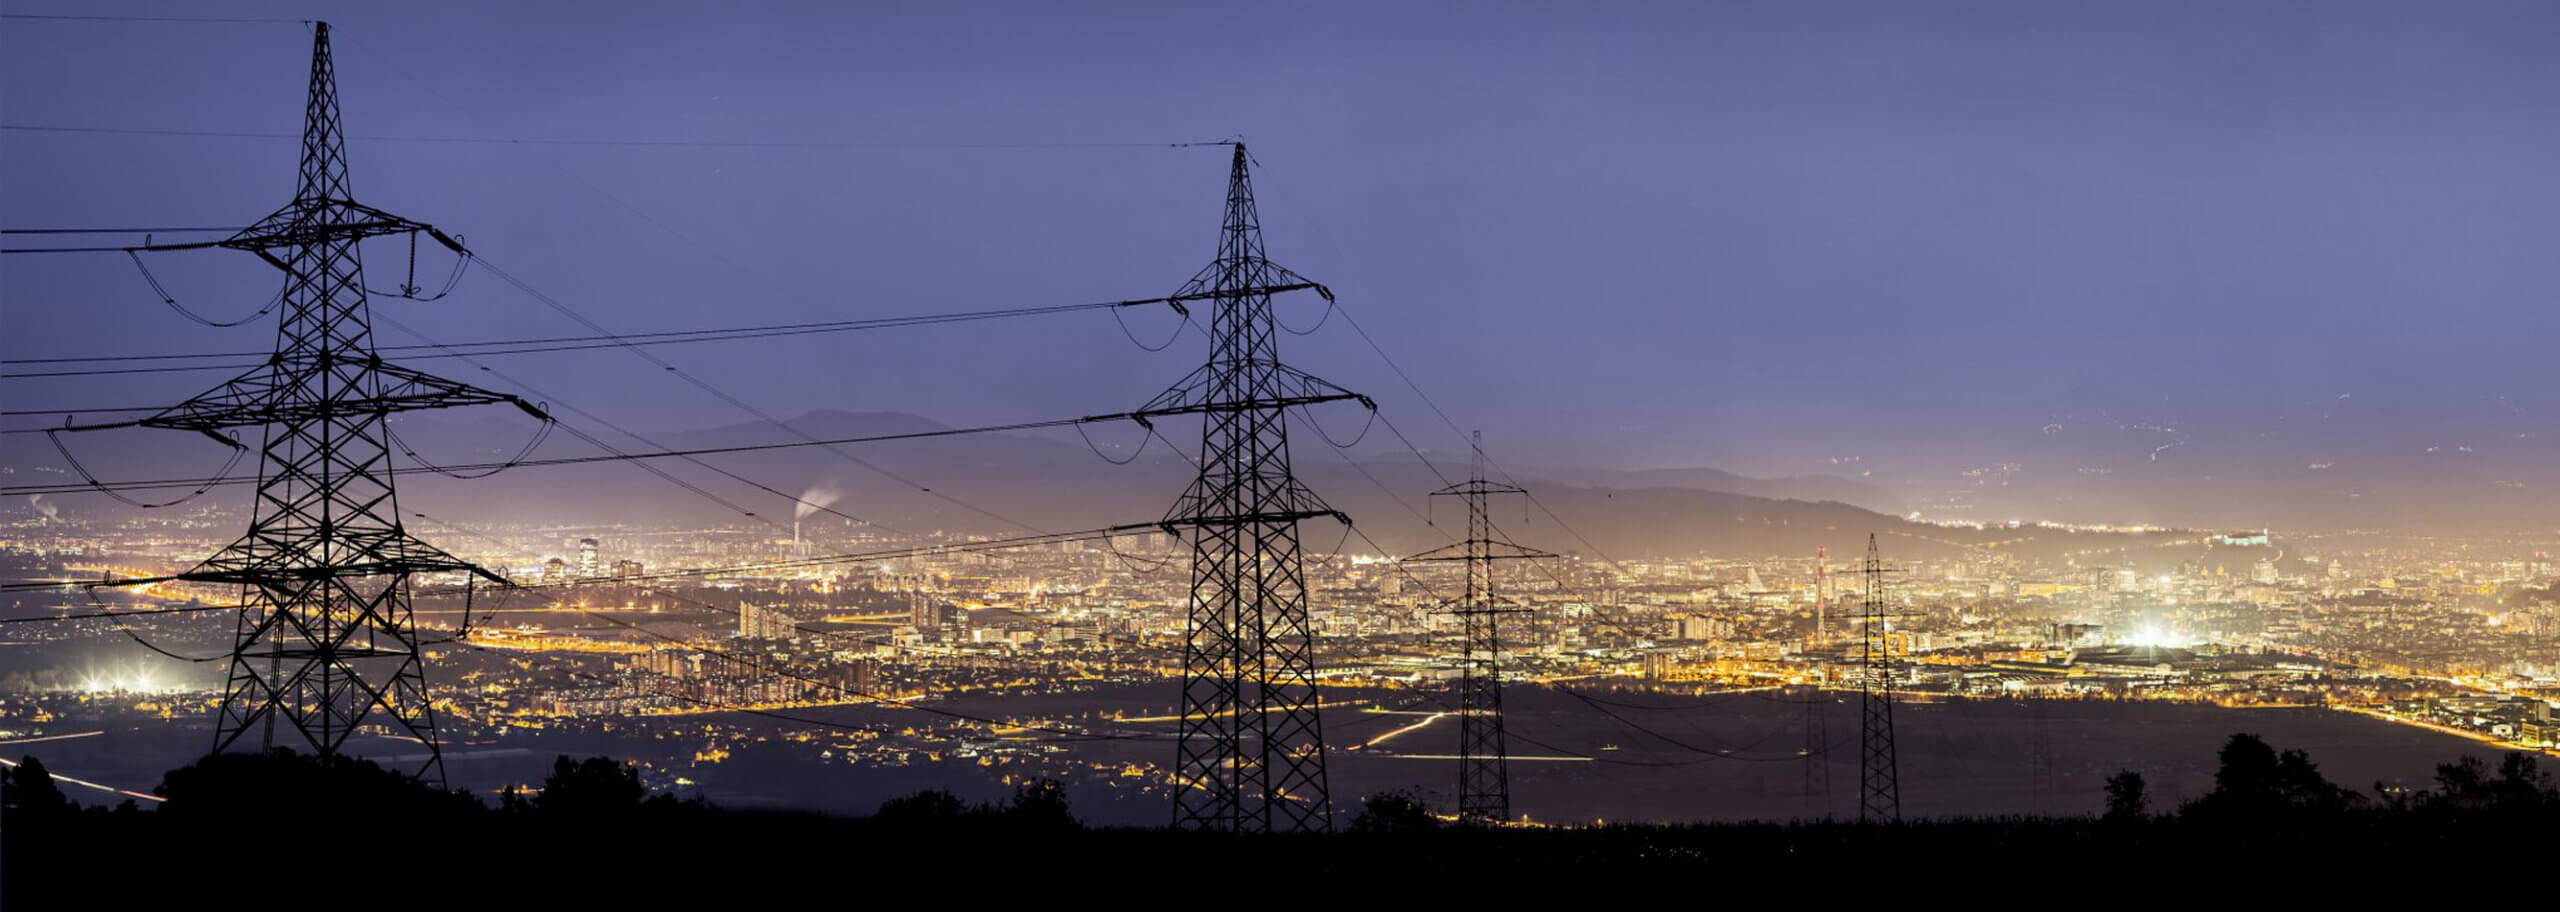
(1490,550)
(250,399)
(1246,405)
(269,575)
(1293,502)
(1246,519)
(1261,278)
(274,559)
(431,391)
(1478,486)
(313,222)
(1249,291)
(1286,387)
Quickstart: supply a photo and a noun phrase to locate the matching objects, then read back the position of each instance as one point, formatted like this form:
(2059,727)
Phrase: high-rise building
(586,558)
(759,623)
(1658,664)
(1705,627)
(921,613)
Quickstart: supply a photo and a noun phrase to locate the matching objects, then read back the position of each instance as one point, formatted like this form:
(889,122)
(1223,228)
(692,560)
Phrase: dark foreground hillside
(593,832)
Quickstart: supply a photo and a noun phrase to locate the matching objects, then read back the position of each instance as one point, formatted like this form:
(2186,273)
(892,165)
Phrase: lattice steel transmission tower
(1817,756)
(326,641)
(1250,754)
(1484,771)
(1880,792)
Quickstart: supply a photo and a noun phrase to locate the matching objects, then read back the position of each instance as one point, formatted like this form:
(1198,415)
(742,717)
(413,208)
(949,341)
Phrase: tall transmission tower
(1484,772)
(1250,753)
(326,641)
(1880,794)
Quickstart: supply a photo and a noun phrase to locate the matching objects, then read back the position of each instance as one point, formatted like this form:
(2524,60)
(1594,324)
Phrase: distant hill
(1002,483)
(1794,487)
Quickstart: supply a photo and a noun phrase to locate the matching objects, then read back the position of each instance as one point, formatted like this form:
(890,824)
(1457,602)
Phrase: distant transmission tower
(1821,591)
(1880,795)
(1484,776)
(1250,754)
(1817,736)
(2039,757)
(1817,755)
(326,640)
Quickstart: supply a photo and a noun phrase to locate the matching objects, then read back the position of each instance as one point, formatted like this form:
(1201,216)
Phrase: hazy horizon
(2098,252)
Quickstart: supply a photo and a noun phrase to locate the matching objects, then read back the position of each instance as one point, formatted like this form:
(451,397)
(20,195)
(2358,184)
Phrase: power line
(189,19)
(611,456)
(608,448)
(742,405)
(609,142)
(1612,761)
(642,629)
(51,618)
(541,345)
(802,502)
(840,689)
(115,230)
(1719,754)
(993,544)
(1417,391)
(1409,383)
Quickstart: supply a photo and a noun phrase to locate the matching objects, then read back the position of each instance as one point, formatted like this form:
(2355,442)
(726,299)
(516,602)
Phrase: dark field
(1737,756)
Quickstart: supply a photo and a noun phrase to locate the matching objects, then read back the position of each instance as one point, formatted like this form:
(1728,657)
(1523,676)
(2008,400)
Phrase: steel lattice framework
(1880,790)
(1817,736)
(1484,766)
(1250,754)
(325,640)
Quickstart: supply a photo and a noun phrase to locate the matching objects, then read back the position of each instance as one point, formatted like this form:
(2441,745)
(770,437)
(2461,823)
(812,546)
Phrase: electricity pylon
(326,640)
(1250,753)
(1484,771)
(1880,791)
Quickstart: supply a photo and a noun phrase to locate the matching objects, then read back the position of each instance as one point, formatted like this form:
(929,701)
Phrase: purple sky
(1757,236)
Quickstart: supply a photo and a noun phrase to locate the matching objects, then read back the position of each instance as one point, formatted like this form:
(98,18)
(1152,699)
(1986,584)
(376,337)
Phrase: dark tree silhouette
(2518,784)
(30,790)
(1041,804)
(1393,813)
(926,807)
(282,785)
(596,785)
(2128,798)
(2257,782)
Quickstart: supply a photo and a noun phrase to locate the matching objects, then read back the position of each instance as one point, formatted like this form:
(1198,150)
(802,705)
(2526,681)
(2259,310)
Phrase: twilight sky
(1756,236)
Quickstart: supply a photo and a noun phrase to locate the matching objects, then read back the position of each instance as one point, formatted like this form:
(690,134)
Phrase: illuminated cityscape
(984,658)
(1350,443)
